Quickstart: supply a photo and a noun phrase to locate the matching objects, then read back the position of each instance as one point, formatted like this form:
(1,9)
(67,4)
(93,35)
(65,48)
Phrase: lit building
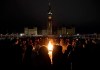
(70,31)
(66,31)
(44,32)
(30,31)
(59,32)
(63,30)
(48,31)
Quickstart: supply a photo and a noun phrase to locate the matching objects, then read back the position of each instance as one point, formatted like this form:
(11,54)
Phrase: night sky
(17,14)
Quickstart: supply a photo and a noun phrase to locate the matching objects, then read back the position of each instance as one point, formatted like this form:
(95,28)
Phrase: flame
(50,46)
(50,49)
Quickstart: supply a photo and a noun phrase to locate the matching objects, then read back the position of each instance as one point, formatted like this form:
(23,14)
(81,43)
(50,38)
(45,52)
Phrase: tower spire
(49,26)
(49,4)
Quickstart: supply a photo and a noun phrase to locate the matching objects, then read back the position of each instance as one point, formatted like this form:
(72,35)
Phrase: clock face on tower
(49,17)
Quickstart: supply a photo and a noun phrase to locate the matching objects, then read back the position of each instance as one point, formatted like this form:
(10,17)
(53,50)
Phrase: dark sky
(17,14)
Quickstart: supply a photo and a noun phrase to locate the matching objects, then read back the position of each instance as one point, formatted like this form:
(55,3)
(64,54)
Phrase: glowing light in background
(21,34)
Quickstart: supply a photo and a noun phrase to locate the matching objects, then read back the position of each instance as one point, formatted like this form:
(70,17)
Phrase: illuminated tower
(49,25)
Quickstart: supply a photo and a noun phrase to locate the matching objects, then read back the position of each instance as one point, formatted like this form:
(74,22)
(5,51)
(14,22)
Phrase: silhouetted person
(28,55)
(68,54)
(44,60)
(18,54)
(57,58)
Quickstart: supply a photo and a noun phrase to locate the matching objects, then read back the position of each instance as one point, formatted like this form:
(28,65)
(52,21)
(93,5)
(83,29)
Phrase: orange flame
(50,49)
(50,46)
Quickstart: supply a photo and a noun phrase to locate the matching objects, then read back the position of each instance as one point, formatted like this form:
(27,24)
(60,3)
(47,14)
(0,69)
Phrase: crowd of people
(32,54)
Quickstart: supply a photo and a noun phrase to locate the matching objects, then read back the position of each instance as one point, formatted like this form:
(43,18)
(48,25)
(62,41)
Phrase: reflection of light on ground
(50,49)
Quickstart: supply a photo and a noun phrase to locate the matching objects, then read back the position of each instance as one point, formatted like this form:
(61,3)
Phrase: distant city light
(77,39)
(60,36)
(77,34)
(21,34)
